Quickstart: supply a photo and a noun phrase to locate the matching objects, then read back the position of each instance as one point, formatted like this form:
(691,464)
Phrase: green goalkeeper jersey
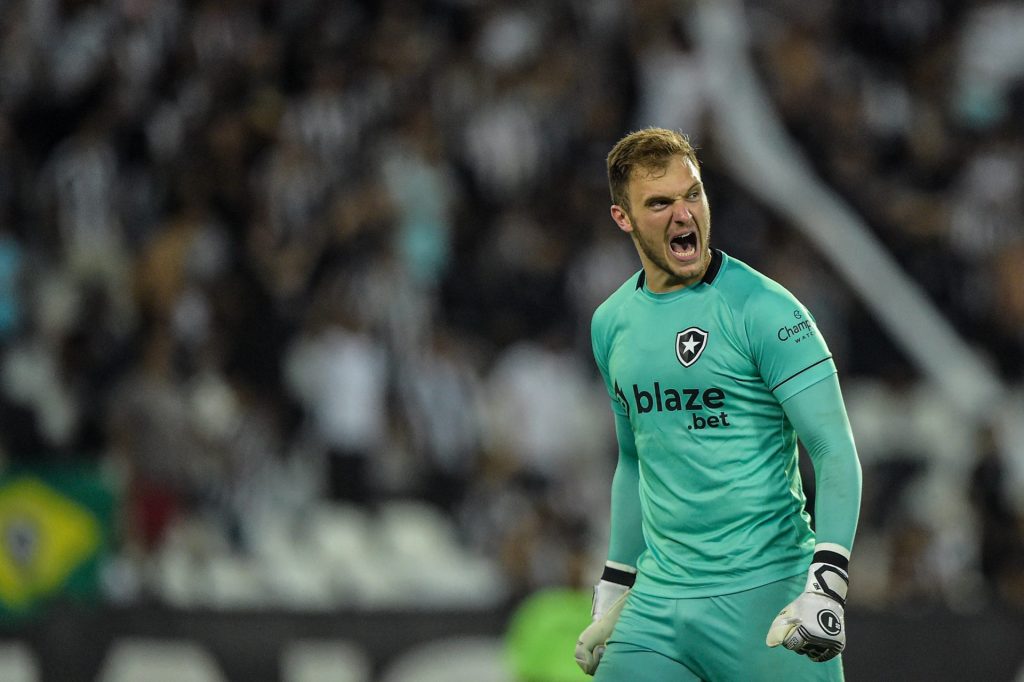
(700,375)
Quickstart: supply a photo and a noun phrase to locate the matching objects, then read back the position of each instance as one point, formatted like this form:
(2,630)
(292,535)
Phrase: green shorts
(708,639)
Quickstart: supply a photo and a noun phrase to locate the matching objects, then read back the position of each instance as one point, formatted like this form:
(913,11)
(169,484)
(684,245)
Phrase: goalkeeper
(713,370)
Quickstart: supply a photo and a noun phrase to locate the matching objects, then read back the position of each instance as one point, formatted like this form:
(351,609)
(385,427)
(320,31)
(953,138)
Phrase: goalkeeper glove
(609,597)
(812,624)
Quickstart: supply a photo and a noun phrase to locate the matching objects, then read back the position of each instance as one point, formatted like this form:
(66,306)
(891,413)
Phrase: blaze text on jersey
(690,400)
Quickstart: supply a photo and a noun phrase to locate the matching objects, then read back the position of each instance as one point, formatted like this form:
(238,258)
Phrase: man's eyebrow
(661,196)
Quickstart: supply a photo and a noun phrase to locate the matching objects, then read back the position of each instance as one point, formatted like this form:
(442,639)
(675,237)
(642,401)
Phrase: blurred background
(295,373)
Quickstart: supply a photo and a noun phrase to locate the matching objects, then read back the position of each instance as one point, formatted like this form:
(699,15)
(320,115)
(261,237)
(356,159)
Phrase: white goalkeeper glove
(812,624)
(609,597)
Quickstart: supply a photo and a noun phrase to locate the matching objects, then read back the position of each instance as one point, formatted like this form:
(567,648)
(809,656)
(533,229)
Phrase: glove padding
(812,624)
(609,598)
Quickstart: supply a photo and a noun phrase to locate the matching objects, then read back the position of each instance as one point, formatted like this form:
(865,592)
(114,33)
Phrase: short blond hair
(649,149)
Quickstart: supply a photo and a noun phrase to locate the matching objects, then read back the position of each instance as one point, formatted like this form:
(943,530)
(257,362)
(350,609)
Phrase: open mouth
(684,246)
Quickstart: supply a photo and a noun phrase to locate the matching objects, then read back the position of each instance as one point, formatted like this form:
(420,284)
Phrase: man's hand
(609,598)
(812,624)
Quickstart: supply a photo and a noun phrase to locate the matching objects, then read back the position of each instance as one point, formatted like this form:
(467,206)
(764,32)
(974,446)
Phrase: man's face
(670,222)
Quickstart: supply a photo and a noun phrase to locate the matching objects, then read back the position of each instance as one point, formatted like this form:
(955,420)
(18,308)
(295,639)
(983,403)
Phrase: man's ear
(621,218)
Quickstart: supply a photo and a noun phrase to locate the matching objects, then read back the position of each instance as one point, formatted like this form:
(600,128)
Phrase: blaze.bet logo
(694,402)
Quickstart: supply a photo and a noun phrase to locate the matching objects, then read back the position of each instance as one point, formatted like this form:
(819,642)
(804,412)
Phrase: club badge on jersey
(690,344)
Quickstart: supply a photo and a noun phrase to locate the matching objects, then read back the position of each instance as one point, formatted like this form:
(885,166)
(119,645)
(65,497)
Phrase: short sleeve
(785,342)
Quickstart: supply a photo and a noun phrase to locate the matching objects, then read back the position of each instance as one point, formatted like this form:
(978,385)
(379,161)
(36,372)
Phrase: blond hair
(648,149)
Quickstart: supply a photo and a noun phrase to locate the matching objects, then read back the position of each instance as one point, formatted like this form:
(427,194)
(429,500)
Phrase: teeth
(684,244)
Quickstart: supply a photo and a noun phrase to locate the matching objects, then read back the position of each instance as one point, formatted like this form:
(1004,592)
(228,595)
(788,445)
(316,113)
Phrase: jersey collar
(709,275)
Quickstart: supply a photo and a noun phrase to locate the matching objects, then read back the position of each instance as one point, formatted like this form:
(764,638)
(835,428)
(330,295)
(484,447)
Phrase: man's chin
(691,270)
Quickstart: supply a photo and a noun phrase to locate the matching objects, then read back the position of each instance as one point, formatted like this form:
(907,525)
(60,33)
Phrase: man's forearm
(819,417)
(625,535)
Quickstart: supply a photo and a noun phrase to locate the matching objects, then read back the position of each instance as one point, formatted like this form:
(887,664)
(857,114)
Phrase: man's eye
(694,195)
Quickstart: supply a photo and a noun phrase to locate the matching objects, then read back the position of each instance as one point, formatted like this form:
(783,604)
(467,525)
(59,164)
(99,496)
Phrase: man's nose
(681,212)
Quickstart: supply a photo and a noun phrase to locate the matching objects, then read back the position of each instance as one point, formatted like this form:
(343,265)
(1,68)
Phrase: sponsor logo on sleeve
(801,328)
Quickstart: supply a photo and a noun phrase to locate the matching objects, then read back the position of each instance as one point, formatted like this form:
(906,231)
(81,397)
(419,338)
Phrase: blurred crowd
(282,265)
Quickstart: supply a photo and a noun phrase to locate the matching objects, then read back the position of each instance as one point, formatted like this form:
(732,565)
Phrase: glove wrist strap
(831,554)
(616,580)
(619,574)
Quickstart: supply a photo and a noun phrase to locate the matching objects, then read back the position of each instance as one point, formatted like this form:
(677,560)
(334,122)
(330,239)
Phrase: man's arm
(625,532)
(819,417)
(625,544)
(813,624)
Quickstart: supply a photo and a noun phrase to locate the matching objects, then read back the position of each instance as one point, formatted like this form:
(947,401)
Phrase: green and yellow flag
(54,530)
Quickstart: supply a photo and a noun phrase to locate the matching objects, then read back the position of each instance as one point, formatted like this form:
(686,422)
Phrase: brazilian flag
(55,529)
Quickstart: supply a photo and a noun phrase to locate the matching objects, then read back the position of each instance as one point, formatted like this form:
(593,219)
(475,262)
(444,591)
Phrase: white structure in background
(959,389)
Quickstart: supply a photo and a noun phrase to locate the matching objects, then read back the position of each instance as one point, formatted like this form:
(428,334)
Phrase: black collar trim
(713,267)
(709,275)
